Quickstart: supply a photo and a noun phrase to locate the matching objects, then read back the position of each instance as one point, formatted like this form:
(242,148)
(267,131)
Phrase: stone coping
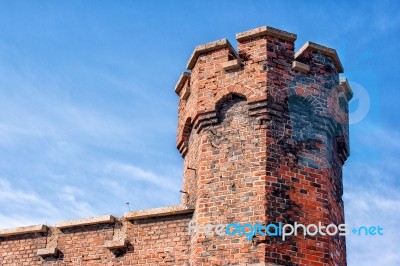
(208,47)
(182,79)
(86,221)
(159,212)
(41,228)
(133,215)
(232,64)
(268,31)
(329,52)
(304,68)
(116,244)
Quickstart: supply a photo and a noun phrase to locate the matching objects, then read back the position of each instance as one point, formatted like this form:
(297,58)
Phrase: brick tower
(264,134)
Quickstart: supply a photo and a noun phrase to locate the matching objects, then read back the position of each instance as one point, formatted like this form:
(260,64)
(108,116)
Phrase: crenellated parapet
(101,239)
(266,71)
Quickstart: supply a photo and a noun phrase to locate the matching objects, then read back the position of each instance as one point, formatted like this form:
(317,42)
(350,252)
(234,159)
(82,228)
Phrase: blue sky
(88,112)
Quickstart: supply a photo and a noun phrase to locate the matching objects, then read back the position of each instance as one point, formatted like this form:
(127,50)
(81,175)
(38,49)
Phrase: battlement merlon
(346,88)
(232,56)
(209,47)
(229,59)
(182,82)
(326,51)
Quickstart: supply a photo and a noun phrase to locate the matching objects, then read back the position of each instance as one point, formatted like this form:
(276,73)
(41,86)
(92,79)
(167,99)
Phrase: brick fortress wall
(263,133)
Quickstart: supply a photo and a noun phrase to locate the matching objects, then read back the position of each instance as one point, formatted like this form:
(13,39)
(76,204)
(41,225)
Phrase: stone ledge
(346,88)
(159,212)
(301,67)
(329,52)
(232,64)
(86,221)
(116,244)
(41,228)
(181,82)
(47,252)
(266,30)
(208,47)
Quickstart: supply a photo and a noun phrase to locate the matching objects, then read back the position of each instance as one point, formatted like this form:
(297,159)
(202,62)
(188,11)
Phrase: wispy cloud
(366,206)
(137,175)
(371,197)
(64,159)
(21,206)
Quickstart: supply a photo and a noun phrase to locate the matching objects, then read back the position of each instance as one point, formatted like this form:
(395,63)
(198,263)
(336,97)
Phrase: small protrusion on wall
(182,88)
(344,83)
(232,64)
(183,148)
(183,137)
(51,249)
(119,242)
(210,47)
(48,252)
(116,244)
(326,51)
(301,67)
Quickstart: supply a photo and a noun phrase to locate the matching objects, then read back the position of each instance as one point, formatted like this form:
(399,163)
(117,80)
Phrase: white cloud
(24,206)
(138,186)
(17,206)
(371,208)
(371,198)
(55,154)
(137,174)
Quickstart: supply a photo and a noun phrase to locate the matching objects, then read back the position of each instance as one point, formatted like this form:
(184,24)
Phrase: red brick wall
(230,184)
(21,250)
(161,241)
(153,241)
